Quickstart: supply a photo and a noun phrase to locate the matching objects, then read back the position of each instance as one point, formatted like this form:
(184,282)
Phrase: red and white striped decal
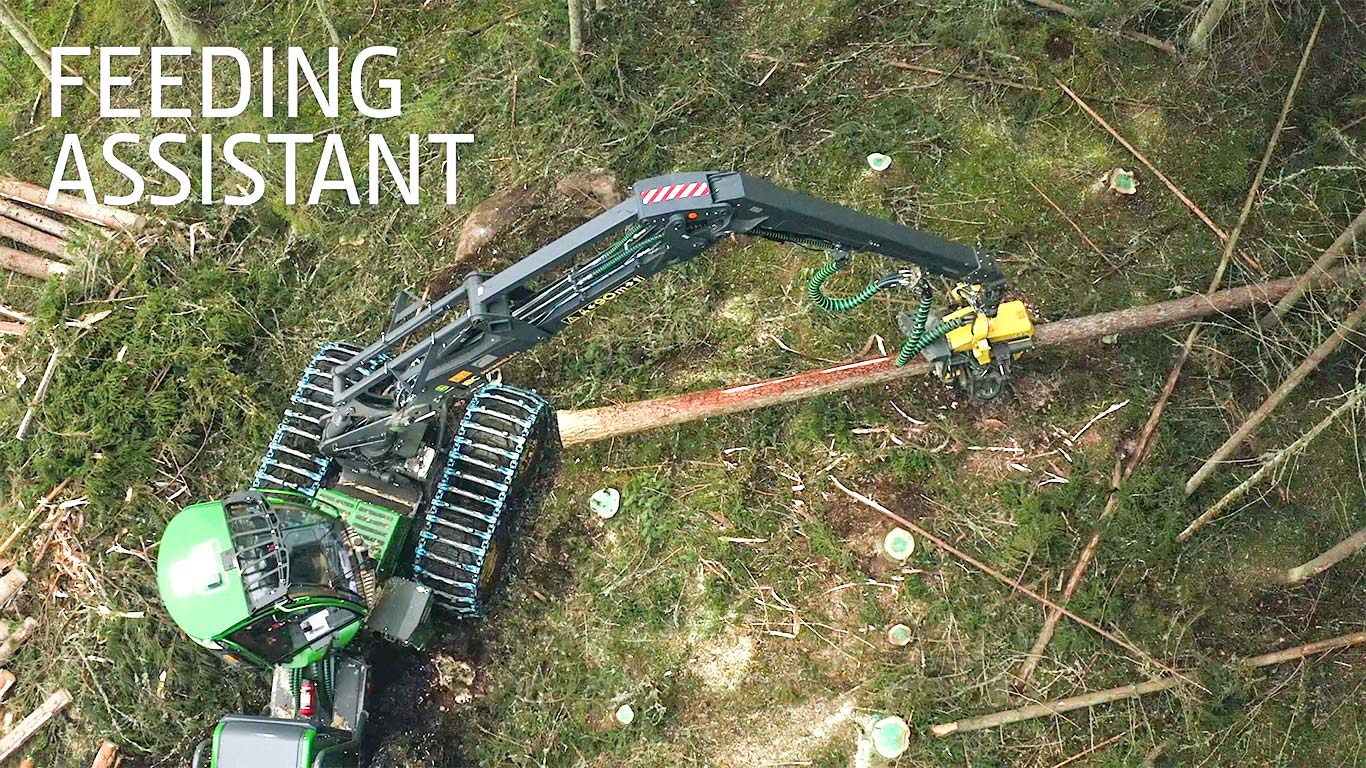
(674,192)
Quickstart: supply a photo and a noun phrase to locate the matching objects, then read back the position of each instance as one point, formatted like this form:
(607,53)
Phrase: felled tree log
(33,266)
(34,219)
(628,418)
(34,238)
(105,216)
(21,733)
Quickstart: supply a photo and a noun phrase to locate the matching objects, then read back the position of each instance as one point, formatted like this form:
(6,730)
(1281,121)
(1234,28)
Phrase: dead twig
(1133,690)
(1329,257)
(37,395)
(1070,221)
(1296,377)
(1280,458)
(1073,13)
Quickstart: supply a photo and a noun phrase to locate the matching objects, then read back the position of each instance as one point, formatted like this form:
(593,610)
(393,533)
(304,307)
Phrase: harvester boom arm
(443,349)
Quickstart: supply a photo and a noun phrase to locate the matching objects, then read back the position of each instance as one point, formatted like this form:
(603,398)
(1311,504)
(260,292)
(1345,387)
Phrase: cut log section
(33,266)
(10,586)
(629,418)
(31,218)
(17,638)
(34,238)
(15,739)
(103,215)
(107,756)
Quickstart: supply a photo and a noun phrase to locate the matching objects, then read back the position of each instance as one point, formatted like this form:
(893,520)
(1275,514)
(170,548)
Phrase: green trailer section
(383,530)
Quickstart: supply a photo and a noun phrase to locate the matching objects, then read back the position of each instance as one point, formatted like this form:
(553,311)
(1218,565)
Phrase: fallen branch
(610,421)
(1135,690)
(1068,219)
(1175,190)
(105,216)
(1011,583)
(33,266)
(1073,13)
(34,219)
(1214,13)
(1088,553)
(37,396)
(1280,458)
(7,681)
(1324,262)
(1300,651)
(966,76)
(1344,549)
(21,733)
(1296,377)
(12,329)
(15,315)
(1033,711)
(38,508)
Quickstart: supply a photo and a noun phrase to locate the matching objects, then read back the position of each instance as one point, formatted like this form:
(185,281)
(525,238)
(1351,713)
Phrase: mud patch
(409,723)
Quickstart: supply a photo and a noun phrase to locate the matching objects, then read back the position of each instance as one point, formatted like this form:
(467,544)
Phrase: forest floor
(737,602)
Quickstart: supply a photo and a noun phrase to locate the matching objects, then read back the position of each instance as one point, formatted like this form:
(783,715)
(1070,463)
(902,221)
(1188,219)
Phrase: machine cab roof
(266,577)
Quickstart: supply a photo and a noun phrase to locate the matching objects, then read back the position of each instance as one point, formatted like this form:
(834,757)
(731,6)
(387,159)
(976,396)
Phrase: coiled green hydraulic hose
(919,341)
(838,303)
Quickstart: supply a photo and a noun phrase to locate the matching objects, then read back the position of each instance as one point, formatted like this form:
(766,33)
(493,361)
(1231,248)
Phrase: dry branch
(629,418)
(107,756)
(965,76)
(34,219)
(1146,163)
(105,216)
(1300,651)
(21,733)
(37,396)
(1070,12)
(1214,13)
(34,238)
(1296,377)
(38,508)
(33,266)
(1013,584)
(12,329)
(1131,691)
(1321,265)
(1280,458)
(1088,553)
(1033,711)
(7,681)
(1344,549)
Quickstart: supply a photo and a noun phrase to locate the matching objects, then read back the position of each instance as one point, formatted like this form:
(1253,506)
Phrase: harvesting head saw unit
(379,508)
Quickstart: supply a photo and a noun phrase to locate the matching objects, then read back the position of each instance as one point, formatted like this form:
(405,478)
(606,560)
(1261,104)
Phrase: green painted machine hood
(197,575)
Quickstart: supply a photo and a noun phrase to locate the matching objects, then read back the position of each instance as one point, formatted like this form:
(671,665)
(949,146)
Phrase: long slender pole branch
(1296,377)
(1270,466)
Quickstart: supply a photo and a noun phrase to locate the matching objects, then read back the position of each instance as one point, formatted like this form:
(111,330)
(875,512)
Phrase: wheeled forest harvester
(380,510)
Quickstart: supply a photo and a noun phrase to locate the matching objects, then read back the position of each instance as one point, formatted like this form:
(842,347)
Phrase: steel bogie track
(459,545)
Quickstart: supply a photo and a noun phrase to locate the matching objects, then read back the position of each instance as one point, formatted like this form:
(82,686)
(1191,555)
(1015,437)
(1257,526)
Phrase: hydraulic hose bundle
(919,336)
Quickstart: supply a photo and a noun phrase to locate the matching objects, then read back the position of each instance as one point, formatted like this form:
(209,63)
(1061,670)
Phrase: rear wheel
(486,479)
